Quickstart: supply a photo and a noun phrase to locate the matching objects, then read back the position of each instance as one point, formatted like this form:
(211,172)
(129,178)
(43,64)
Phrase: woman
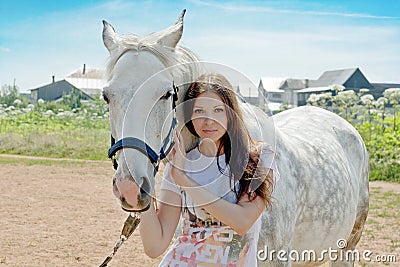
(219,188)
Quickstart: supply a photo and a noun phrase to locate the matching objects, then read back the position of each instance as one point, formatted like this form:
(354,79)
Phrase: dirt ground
(66,215)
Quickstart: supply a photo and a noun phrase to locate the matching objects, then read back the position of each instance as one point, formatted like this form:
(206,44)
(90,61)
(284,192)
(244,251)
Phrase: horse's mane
(184,65)
(180,57)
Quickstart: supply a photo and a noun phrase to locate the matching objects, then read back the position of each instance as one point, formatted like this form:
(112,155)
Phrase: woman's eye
(219,110)
(197,111)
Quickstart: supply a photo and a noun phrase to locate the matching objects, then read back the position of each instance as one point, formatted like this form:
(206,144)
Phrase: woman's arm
(240,217)
(158,228)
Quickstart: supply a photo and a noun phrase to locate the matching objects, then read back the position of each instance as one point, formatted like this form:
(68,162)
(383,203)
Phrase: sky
(296,38)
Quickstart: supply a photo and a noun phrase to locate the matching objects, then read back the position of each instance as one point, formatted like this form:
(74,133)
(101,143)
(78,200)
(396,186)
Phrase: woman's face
(209,117)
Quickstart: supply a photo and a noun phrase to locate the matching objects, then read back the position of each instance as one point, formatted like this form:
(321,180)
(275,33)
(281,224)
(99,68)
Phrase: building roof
(293,84)
(383,86)
(272,84)
(248,89)
(334,77)
(90,81)
(88,74)
(86,84)
(50,85)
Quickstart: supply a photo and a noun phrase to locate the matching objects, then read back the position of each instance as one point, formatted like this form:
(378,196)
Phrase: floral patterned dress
(203,240)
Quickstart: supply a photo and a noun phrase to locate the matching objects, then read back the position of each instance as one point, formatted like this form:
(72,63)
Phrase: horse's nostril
(115,189)
(145,188)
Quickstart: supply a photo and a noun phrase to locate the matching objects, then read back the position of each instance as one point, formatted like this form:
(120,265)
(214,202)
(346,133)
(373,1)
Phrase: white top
(205,241)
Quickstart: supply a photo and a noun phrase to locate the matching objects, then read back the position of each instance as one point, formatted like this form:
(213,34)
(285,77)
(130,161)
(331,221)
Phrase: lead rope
(129,227)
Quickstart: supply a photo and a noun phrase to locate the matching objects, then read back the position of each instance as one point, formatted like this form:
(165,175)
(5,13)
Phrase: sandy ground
(66,215)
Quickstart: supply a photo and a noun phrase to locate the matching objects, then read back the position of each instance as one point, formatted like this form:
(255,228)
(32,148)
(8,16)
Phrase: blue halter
(142,146)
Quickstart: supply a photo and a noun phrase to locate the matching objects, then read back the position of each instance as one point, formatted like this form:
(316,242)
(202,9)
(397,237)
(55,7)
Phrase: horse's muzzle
(133,198)
(128,208)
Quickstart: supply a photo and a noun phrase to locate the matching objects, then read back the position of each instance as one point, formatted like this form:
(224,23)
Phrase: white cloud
(303,54)
(4,49)
(61,42)
(261,9)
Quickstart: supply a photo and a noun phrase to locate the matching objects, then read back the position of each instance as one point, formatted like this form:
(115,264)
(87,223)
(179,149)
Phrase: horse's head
(140,96)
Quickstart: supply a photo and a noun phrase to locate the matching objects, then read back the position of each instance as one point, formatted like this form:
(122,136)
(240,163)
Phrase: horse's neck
(188,66)
(184,74)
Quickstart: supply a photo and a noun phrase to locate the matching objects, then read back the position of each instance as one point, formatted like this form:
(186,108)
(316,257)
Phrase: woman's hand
(178,158)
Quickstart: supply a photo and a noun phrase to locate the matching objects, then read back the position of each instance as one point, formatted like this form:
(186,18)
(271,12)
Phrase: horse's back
(324,180)
(322,131)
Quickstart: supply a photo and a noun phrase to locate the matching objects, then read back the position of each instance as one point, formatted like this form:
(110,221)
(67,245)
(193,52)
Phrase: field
(80,130)
(57,208)
(63,213)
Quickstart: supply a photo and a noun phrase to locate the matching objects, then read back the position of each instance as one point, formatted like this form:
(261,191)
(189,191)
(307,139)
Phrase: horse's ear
(109,36)
(173,34)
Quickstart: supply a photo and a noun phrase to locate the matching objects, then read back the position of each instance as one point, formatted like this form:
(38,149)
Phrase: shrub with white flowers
(363,91)
(17,102)
(49,113)
(393,94)
(367,99)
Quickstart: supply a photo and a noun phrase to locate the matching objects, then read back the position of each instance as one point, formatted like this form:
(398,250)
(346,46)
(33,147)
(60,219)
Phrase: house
(295,92)
(89,82)
(272,94)
(379,88)
(249,93)
(352,79)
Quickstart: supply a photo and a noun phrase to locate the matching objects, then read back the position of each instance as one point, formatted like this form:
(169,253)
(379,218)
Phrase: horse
(320,202)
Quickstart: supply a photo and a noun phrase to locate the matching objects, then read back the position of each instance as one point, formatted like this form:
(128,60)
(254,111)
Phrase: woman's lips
(209,131)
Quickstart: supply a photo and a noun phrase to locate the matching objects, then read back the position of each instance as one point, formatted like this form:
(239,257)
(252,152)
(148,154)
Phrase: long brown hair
(241,152)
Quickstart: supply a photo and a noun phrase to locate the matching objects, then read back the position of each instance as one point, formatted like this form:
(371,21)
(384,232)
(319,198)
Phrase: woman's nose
(209,120)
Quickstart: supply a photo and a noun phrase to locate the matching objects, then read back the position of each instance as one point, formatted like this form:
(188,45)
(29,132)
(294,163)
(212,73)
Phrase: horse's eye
(105,98)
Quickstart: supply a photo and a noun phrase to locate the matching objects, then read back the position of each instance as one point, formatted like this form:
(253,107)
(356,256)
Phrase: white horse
(322,196)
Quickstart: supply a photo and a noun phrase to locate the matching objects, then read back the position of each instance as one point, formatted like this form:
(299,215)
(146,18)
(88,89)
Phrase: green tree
(8,94)
(393,95)
(73,99)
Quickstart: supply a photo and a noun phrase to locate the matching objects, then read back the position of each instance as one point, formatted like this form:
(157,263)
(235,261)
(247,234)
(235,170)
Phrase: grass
(80,135)
(75,144)
(372,221)
(4,160)
(87,136)
(382,227)
(384,205)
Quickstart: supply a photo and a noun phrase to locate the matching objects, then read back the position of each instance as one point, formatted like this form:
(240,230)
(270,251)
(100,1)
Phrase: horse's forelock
(178,56)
